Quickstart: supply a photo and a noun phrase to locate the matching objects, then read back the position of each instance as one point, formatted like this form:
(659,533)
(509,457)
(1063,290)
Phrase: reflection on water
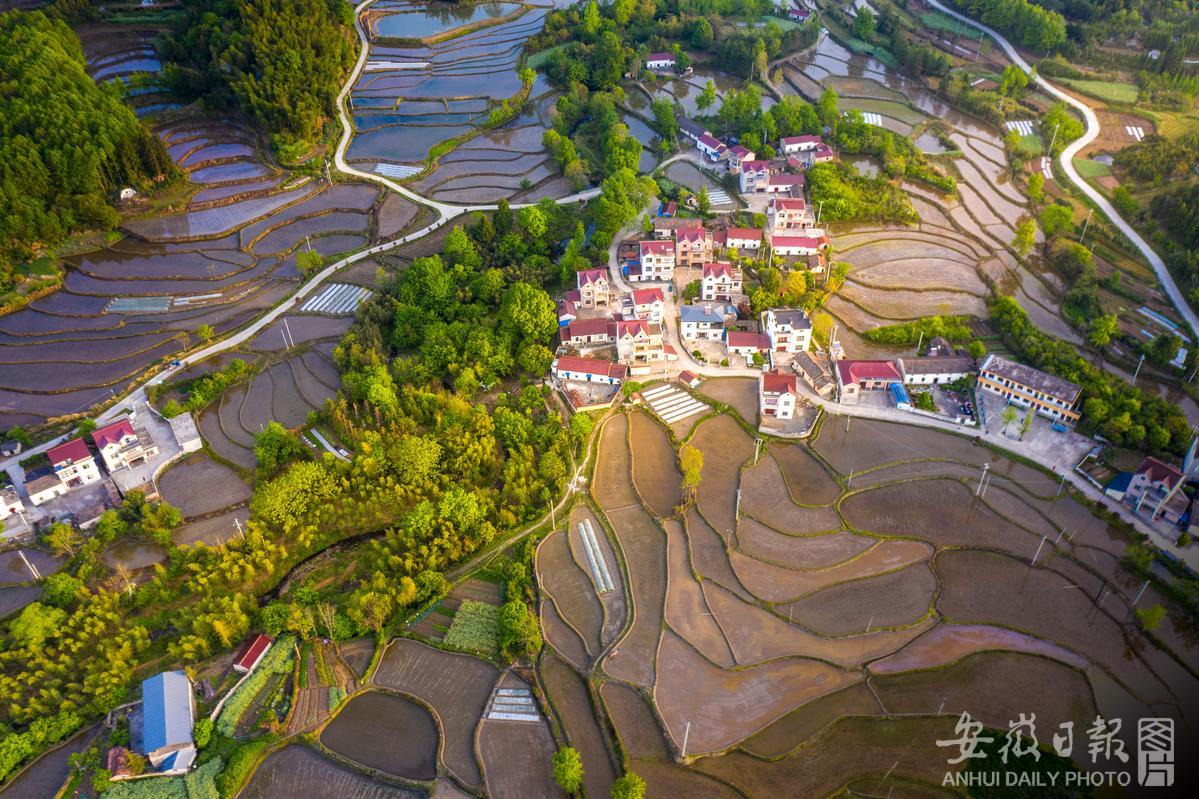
(134,555)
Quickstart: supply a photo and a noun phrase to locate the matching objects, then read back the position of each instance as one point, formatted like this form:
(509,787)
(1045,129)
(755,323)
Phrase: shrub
(568,769)
(337,695)
(241,762)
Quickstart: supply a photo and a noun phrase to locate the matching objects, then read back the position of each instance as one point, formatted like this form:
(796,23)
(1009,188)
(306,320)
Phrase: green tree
(706,98)
(63,539)
(309,262)
(1151,617)
(976,349)
(864,24)
(529,313)
(205,332)
(691,461)
(1014,81)
(1056,218)
(1036,187)
(35,624)
(1026,236)
(568,769)
(274,446)
(703,202)
(519,633)
(628,786)
(202,733)
(1102,329)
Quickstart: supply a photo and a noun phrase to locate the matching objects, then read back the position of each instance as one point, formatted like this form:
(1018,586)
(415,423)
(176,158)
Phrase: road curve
(1066,162)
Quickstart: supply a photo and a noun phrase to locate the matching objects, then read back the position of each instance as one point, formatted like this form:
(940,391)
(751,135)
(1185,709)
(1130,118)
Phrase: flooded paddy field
(782,644)
(385,732)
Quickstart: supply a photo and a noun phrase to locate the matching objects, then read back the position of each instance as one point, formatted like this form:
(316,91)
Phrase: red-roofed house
(593,288)
(639,345)
(689,379)
(251,653)
(740,342)
(590,370)
(754,175)
(711,147)
(568,307)
(647,304)
(1156,487)
(785,184)
(799,14)
(821,154)
(719,282)
(659,61)
(583,333)
(797,245)
(737,155)
(666,228)
(73,463)
(854,377)
(743,238)
(799,144)
(657,261)
(785,213)
(121,446)
(692,246)
(777,393)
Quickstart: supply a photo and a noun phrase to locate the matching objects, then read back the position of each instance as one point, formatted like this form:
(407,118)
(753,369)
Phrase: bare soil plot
(612,485)
(455,686)
(209,423)
(757,636)
(644,548)
(709,554)
(903,304)
(764,494)
(634,722)
(385,732)
(725,707)
(725,446)
(922,274)
(948,643)
(570,588)
(655,472)
(477,589)
(302,329)
(995,687)
(212,531)
(740,393)
(357,654)
(792,730)
(864,444)
(943,512)
(778,584)
(806,477)
(199,485)
(885,749)
(896,599)
(517,754)
(687,612)
(288,406)
(13,568)
(666,778)
(298,772)
(569,697)
(799,552)
(565,639)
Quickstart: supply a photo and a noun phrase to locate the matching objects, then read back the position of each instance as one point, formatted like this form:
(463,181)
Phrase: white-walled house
(10,502)
(786,213)
(789,330)
(590,370)
(737,155)
(719,282)
(935,371)
(120,446)
(754,175)
(797,245)
(743,238)
(712,148)
(704,322)
(593,287)
(73,463)
(656,261)
(647,304)
(777,394)
(745,344)
(660,61)
(790,145)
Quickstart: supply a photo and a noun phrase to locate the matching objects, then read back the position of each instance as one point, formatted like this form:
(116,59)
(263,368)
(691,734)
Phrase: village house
(10,447)
(647,304)
(736,155)
(792,246)
(789,330)
(639,345)
(10,502)
(935,370)
(799,14)
(821,154)
(742,238)
(660,61)
(692,246)
(702,322)
(719,282)
(43,486)
(590,370)
(777,395)
(183,427)
(745,344)
(252,651)
(753,176)
(791,185)
(1050,395)
(73,463)
(784,214)
(854,377)
(814,369)
(690,379)
(790,145)
(1155,490)
(711,147)
(168,716)
(121,446)
(582,334)
(692,129)
(568,308)
(666,228)
(593,288)
(656,261)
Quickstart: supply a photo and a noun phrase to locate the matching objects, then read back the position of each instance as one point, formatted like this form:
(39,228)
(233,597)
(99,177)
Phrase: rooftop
(711,142)
(113,433)
(718,269)
(592,366)
(750,233)
(656,248)
(795,318)
(937,364)
(588,276)
(1035,379)
(855,371)
(806,242)
(586,327)
(806,139)
(72,451)
(691,234)
(660,57)
(778,382)
(1158,471)
(743,338)
(646,296)
(167,710)
(702,313)
(251,651)
(786,204)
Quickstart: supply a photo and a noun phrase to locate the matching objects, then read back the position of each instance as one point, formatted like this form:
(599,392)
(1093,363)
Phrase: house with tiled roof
(582,334)
(647,304)
(702,322)
(791,185)
(43,486)
(789,329)
(854,377)
(719,282)
(1027,387)
(754,175)
(743,238)
(667,228)
(692,129)
(790,145)
(660,61)
(251,653)
(790,246)
(736,155)
(656,261)
(777,394)
(746,344)
(73,463)
(639,345)
(594,290)
(814,369)
(711,147)
(785,214)
(692,246)
(122,446)
(590,370)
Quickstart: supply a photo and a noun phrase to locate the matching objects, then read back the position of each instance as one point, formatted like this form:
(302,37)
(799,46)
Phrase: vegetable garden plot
(118,266)
(51,378)
(571,590)
(948,643)
(791,731)
(568,696)
(209,423)
(644,548)
(920,274)
(655,474)
(995,687)
(615,600)
(198,486)
(896,599)
(288,406)
(777,584)
(224,173)
(385,732)
(220,151)
(297,772)
(889,304)
(83,350)
(725,707)
(665,778)
(217,193)
(686,610)
(456,686)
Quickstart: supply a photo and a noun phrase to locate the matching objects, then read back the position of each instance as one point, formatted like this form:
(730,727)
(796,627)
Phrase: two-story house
(789,330)
(736,155)
(712,148)
(594,291)
(754,176)
(121,446)
(1155,490)
(639,345)
(692,246)
(583,334)
(646,304)
(719,282)
(73,463)
(656,261)
(784,214)
(702,322)
(777,394)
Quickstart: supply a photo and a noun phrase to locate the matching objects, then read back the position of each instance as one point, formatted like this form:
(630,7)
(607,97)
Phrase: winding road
(1066,161)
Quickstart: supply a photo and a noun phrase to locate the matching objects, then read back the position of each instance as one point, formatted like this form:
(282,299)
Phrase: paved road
(1067,164)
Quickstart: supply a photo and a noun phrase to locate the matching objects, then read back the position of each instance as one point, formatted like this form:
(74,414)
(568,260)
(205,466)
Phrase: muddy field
(198,486)
(298,772)
(385,732)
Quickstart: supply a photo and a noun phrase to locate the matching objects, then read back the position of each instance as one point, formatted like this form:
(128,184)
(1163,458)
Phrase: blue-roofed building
(703,322)
(168,715)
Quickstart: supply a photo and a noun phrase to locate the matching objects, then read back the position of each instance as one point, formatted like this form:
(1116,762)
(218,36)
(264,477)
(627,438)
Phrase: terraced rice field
(368,729)
(789,637)
(299,772)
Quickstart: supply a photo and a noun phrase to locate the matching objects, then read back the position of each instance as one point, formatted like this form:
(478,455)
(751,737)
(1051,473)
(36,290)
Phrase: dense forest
(1027,24)
(67,144)
(281,61)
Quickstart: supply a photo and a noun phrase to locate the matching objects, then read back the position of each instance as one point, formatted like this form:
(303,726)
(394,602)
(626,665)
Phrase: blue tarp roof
(167,710)
(900,394)
(1120,482)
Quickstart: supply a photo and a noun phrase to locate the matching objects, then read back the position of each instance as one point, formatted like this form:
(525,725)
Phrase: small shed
(252,652)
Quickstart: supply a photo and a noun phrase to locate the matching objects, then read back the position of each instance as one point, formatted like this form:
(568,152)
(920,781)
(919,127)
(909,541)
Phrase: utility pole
(686,734)
(1138,596)
(1085,225)
(978,491)
(1054,138)
(920,342)
(819,210)
(237,522)
(287,331)
(1061,485)
(32,569)
(1038,552)
(1138,371)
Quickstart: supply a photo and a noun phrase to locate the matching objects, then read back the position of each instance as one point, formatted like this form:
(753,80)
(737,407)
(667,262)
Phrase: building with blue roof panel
(168,716)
